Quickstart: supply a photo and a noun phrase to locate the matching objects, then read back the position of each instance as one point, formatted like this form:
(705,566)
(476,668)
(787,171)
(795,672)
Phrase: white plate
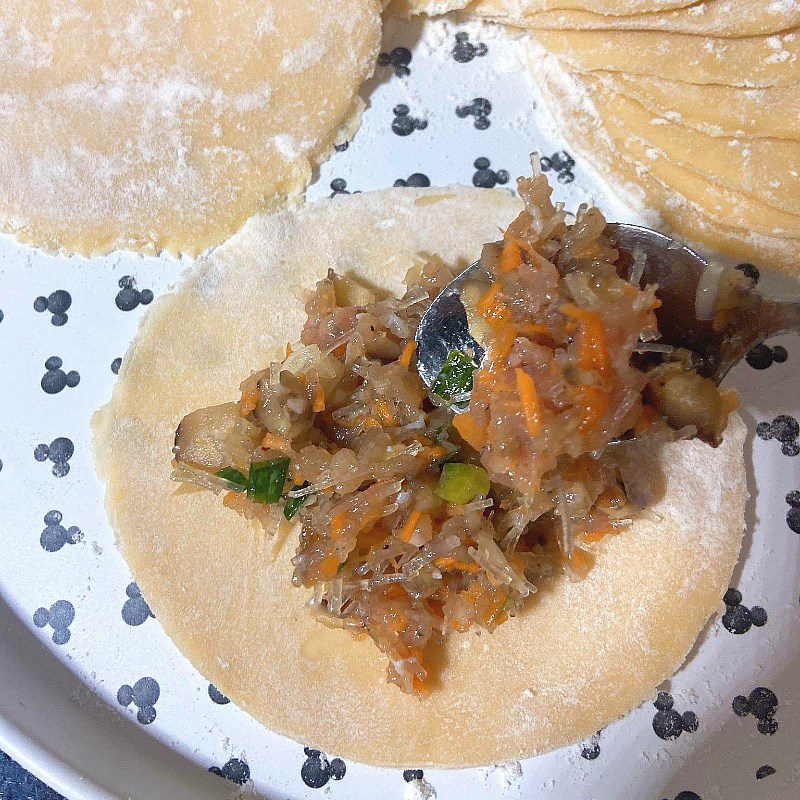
(74,707)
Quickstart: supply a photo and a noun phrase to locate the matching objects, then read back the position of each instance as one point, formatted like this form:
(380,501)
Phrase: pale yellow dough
(722,218)
(752,62)
(165,125)
(771,112)
(582,654)
(711,18)
(510,10)
(763,169)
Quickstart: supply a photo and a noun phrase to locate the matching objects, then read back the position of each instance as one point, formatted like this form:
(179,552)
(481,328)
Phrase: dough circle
(581,655)
(165,125)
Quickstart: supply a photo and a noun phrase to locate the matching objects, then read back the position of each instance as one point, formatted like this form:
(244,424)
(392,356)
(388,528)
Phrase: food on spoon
(415,520)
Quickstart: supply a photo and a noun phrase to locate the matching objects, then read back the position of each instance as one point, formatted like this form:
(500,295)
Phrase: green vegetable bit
(293,503)
(233,476)
(462,483)
(266,480)
(455,376)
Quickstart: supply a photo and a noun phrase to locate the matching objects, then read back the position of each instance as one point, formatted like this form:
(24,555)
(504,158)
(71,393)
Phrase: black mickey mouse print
(55,378)
(739,618)
(404,124)
(234,769)
(765,771)
(59,617)
(590,749)
(144,695)
(464,50)
(217,696)
(59,451)
(667,722)
(129,297)
(412,775)
(763,705)
(793,514)
(485,177)
(317,770)
(339,186)
(785,429)
(55,535)
(57,303)
(763,356)
(115,365)
(417,179)
(479,108)
(399,58)
(135,610)
(561,163)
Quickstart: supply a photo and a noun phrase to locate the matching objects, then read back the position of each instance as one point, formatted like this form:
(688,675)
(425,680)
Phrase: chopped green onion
(293,503)
(462,483)
(233,476)
(266,480)
(455,376)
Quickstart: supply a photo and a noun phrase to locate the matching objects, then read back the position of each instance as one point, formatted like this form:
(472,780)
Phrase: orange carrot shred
(469,430)
(408,353)
(337,524)
(410,525)
(318,404)
(592,346)
(510,257)
(529,400)
(384,412)
(271,441)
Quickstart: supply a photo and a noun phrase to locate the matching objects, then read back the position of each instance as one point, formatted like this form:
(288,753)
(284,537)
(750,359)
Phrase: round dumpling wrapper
(582,654)
(165,125)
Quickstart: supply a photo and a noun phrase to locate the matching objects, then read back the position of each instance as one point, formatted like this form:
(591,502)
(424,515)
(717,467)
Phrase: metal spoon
(679,273)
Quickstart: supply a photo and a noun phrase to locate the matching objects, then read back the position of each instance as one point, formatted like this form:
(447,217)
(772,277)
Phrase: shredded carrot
(448,562)
(599,533)
(510,257)
(288,349)
(529,400)
(491,309)
(384,412)
(340,350)
(410,525)
(273,442)
(408,353)
(370,422)
(580,562)
(329,566)
(501,347)
(432,453)
(248,402)
(229,498)
(337,524)
(469,430)
(421,687)
(318,403)
(593,346)
(593,403)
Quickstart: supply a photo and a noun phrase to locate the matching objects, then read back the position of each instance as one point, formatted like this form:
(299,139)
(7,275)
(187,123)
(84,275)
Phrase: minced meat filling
(416,521)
